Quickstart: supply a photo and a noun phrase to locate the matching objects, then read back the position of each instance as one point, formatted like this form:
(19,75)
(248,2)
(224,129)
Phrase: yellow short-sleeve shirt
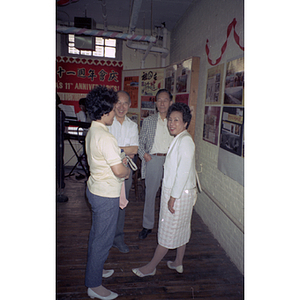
(102,152)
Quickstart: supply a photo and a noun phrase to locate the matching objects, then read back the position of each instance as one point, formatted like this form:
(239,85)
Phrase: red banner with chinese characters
(76,77)
(80,75)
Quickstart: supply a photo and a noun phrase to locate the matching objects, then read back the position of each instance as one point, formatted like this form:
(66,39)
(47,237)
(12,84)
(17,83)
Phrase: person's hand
(124,161)
(171,203)
(147,157)
(128,172)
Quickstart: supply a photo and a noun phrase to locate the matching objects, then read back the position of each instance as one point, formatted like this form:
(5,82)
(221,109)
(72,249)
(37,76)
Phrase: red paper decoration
(236,38)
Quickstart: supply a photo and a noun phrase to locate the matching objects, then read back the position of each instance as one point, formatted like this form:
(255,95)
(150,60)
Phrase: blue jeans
(104,221)
(119,236)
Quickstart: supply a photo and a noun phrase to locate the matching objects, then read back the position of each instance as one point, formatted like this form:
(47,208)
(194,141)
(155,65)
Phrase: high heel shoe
(93,295)
(138,273)
(179,269)
(107,273)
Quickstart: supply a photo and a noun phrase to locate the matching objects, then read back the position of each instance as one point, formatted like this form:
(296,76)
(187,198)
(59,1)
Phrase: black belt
(160,154)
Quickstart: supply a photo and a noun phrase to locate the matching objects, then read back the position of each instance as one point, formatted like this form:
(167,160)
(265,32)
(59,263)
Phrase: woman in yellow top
(107,173)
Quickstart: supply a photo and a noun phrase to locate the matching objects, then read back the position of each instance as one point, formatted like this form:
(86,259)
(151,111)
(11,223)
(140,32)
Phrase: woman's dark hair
(82,101)
(166,91)
(184,109)
(100,101)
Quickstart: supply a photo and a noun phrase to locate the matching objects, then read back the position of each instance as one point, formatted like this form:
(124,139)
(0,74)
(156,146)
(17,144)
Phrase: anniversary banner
(75,77)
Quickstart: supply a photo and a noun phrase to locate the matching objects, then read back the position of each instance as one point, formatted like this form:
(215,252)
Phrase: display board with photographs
(131,86)
(231,138)
(211,124)
(181,79)
(214,85)
(152,80)
(178,77)
(234,83)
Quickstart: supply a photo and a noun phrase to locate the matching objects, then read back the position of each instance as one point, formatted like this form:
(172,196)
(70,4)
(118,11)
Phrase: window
(103,47)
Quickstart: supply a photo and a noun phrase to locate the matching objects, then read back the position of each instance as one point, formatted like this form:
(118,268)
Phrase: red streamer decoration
(236,38)
(65,2)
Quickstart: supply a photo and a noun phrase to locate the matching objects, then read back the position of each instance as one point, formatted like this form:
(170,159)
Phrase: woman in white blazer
(178,193)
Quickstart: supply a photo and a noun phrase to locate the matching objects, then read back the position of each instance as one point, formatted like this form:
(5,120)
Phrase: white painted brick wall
(209,19)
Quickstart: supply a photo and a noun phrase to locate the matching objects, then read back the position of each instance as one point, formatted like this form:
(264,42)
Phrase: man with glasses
(126,133)
(154,142)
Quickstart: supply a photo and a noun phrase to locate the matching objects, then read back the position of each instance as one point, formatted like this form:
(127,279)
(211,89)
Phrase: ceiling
(118,12)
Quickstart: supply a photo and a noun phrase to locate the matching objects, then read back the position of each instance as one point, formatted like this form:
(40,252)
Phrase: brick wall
(209,19)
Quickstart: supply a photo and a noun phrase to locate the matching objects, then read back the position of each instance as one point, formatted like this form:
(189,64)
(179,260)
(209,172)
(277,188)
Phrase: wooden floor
(208,272)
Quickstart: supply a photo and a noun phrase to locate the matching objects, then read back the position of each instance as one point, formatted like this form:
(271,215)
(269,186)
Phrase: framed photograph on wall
(232,127)
(234,83)
(170,79)
(214,85)
(211,124)
(131,86)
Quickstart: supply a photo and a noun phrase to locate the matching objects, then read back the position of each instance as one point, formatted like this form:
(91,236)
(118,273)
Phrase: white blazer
(179,167)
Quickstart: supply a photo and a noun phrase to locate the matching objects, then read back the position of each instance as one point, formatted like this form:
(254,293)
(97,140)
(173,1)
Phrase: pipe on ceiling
(145,55)
(104,14)
(129,37)
(163,57)
(134,15)
(148,48)
(107,34)
(163,51)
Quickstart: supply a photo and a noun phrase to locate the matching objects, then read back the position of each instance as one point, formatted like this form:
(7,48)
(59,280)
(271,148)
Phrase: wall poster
(151,81)
(170,79)
(234,83)
(133,117)
(232,130)
(148,106)
(183,98)
(214,85)
(231,151)
(183,76)
(178,80)
(131,86)
(211,124)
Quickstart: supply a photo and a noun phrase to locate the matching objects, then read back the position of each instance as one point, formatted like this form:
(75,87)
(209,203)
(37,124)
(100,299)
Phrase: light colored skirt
(174,230)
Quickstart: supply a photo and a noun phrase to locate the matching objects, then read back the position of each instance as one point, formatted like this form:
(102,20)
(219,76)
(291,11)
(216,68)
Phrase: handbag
(130,162)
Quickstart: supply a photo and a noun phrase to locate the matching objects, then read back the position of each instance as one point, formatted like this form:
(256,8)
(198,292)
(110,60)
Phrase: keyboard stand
(81,140)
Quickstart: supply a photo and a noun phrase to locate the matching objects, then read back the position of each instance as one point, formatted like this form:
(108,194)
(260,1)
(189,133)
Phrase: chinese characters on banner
(76,77)
(151,82)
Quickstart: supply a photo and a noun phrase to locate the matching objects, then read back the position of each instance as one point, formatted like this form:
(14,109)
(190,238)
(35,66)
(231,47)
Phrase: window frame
(90,53)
